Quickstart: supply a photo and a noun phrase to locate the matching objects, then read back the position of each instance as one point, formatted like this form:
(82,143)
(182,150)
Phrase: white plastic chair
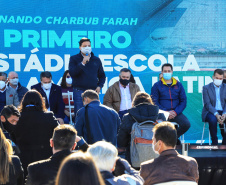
(70,105)
(181,137)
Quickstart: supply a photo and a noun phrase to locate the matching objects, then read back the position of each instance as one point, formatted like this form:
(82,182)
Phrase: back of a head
(64,137)
(141,97)
(5,158)
(34,98)
(104,154)
(10,110)
(79,168)
(166,132)
(91,94)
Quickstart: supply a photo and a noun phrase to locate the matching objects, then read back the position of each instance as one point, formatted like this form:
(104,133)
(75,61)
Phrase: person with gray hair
(15,84)
(8,96)
(106,155)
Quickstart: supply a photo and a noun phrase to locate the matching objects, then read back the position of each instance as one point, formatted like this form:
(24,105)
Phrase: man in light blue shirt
(214,107)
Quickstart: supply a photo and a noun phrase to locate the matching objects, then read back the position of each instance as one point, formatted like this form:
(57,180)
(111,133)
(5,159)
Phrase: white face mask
(69,80)
(47,86)
(217,82)
(86,50)
(153,147)
(2,84)
(14,81)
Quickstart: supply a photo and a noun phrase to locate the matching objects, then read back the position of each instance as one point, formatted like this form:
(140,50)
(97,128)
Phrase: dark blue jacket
(169,97)
(104,123)
(89,76)
(55,99)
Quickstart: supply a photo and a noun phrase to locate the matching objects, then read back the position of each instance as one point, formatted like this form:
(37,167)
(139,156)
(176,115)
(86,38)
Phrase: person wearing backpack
(143,109)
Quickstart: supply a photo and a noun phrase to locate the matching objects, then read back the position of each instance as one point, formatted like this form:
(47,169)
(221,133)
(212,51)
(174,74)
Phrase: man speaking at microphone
(86,71)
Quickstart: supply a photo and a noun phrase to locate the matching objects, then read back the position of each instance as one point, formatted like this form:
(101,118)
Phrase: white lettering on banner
(122,64)
(4,66)
(106,62)
(190,80)
(132,62)
(33,63)
(69,39)
(191,64)
(17,60)
(48,63)
(200,84)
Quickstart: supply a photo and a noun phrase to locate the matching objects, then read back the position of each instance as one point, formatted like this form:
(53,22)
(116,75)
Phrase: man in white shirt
(214,105)
(52,94)
(119,96)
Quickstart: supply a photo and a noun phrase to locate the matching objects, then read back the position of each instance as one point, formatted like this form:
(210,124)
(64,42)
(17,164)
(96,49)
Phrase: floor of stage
(205,153)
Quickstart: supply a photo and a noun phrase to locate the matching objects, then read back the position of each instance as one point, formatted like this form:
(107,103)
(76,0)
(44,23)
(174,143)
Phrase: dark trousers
(183,122)
(212,120)
(78,104)
(121,113)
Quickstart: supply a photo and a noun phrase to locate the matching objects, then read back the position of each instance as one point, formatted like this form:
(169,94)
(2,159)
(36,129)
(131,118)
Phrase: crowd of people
(46,146)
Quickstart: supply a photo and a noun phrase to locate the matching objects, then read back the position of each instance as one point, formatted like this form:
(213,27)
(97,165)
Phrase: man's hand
(172,114)
(98,90)
(61,121)
(85,59)
(219,119)
(223,117)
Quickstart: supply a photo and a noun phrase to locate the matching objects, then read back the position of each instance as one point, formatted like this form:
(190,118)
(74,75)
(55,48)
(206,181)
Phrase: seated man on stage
(169,95)
(214,106)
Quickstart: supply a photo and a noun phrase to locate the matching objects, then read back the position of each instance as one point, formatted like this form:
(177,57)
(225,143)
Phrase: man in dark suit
(214,105)
(63,142)
(52,94)
(170,165)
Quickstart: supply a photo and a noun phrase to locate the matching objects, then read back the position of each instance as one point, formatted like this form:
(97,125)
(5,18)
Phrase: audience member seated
(142,110)
(15,84)
(79,168)
(95,121)
(105,155)
(33,130)
(66,85)
(52,94)
(11,171)
(169,95)
(119,96)
(63,142)
(8,96)
(214,106)
(169,166)
(11,114)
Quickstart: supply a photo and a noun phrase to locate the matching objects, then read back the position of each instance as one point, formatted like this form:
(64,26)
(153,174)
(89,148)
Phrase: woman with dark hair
(143,109)
(11,171)
(79,168)
(66,85)
(33,130)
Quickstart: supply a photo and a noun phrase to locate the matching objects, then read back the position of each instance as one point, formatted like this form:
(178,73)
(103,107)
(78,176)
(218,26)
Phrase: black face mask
(224,81)
(124,82)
